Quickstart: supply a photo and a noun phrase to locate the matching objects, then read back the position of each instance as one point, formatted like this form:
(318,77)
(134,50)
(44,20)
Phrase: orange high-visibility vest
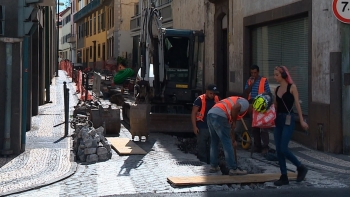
(227,104)
(200,114)
(261,86)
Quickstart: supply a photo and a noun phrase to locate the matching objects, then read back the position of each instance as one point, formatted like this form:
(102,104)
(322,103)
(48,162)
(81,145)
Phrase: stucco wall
(198,15)
(65,30)
(125,44)
(325,39)
(238,10)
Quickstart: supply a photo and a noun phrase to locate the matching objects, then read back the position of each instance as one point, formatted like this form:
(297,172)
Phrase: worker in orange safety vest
(256,85)
(222,123)
(200,108)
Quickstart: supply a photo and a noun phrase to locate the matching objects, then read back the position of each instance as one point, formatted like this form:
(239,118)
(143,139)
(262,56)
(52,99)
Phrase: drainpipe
(25,62)
(47,55)
(8,80)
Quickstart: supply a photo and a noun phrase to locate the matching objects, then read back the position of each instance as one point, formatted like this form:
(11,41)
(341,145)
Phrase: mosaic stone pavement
(141,174)
(47,158)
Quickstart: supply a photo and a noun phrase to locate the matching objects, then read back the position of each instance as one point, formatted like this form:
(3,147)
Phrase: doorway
(222,56)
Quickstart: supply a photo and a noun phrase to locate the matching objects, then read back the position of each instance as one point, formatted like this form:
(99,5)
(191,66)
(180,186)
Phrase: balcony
(71,38)
(165,10)
(86,10)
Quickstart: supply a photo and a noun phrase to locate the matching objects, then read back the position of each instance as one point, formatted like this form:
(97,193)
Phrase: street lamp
(58,34)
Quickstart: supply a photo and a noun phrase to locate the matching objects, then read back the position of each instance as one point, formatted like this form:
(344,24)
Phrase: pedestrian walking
(200,109)
(222,122)
(254,86)
(286,96)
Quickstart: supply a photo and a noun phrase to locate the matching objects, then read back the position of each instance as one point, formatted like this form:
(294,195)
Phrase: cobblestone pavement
(139,174)
(47,156)
(147,174)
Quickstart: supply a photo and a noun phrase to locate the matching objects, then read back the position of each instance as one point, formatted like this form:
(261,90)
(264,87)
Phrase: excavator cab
(177,80)
(183,61)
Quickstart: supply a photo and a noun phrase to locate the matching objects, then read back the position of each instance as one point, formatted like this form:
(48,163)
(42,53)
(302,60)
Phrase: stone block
(82,158)
(89,151)
(100,131)
(92,132)
(101,151)
(103,157)
(97,137)
(92,158)
(81,152)
(88,143)
(108,147)
(94,144)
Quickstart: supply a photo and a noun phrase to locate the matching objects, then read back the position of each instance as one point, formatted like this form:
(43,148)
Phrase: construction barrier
(67,66)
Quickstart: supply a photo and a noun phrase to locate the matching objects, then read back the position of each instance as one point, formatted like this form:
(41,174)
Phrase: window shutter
(284,44)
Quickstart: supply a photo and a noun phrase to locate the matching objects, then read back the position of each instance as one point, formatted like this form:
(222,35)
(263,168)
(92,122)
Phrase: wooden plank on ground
(226,179)
(124,146)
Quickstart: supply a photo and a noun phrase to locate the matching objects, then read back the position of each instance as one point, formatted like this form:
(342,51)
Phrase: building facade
(31,59)
(65,34)
(241,33)
(291,33)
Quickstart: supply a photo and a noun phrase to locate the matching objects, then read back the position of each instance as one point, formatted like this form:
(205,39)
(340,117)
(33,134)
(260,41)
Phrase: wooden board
(124,146)
(226,179)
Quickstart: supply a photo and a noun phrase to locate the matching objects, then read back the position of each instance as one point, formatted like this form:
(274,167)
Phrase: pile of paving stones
(90,145)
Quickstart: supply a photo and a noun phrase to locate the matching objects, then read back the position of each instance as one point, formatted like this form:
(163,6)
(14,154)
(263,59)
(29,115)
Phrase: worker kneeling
(221,121)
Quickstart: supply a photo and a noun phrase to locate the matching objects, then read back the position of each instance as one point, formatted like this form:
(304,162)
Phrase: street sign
(341,10)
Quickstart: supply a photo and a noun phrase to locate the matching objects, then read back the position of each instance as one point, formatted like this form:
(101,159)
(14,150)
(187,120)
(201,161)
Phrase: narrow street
(147,174)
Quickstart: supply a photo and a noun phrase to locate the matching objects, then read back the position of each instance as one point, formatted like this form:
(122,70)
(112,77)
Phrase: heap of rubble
(90,145)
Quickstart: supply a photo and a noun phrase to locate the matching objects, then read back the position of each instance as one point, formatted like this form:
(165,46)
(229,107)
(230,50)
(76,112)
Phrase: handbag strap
(286,106)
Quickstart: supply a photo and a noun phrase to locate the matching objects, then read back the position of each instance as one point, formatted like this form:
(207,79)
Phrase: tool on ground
(248,139)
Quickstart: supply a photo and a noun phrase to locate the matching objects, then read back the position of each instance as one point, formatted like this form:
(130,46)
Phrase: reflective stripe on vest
(261,86)
(227,104)
(200,114)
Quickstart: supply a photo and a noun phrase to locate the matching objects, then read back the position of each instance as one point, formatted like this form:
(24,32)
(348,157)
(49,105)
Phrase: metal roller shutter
(284,44)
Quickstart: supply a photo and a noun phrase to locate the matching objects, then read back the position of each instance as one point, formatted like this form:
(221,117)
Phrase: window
(87,55)
(94,24)
(90,51)
(103,51)
(284,43)
(136,11)
(99,23)
(103,21)
(91,26)
(87,28)
(98,50)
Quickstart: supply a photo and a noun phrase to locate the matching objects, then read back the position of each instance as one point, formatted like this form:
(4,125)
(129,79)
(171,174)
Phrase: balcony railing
(165,10)
(86,10)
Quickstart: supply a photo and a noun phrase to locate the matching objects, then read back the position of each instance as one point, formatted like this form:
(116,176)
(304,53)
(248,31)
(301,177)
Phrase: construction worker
(222,122)
(257,85)
(200,109)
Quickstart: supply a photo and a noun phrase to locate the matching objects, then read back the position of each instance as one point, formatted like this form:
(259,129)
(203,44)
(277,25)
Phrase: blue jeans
(203,145)
(283,134)
(219,129)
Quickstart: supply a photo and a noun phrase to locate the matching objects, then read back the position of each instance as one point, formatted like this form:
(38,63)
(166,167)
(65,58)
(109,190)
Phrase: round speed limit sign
(341,10)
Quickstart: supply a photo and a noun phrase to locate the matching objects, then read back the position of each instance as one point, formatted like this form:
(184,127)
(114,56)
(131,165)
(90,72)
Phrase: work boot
(282,181)
(237,172)
(302,171)
(214,169)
